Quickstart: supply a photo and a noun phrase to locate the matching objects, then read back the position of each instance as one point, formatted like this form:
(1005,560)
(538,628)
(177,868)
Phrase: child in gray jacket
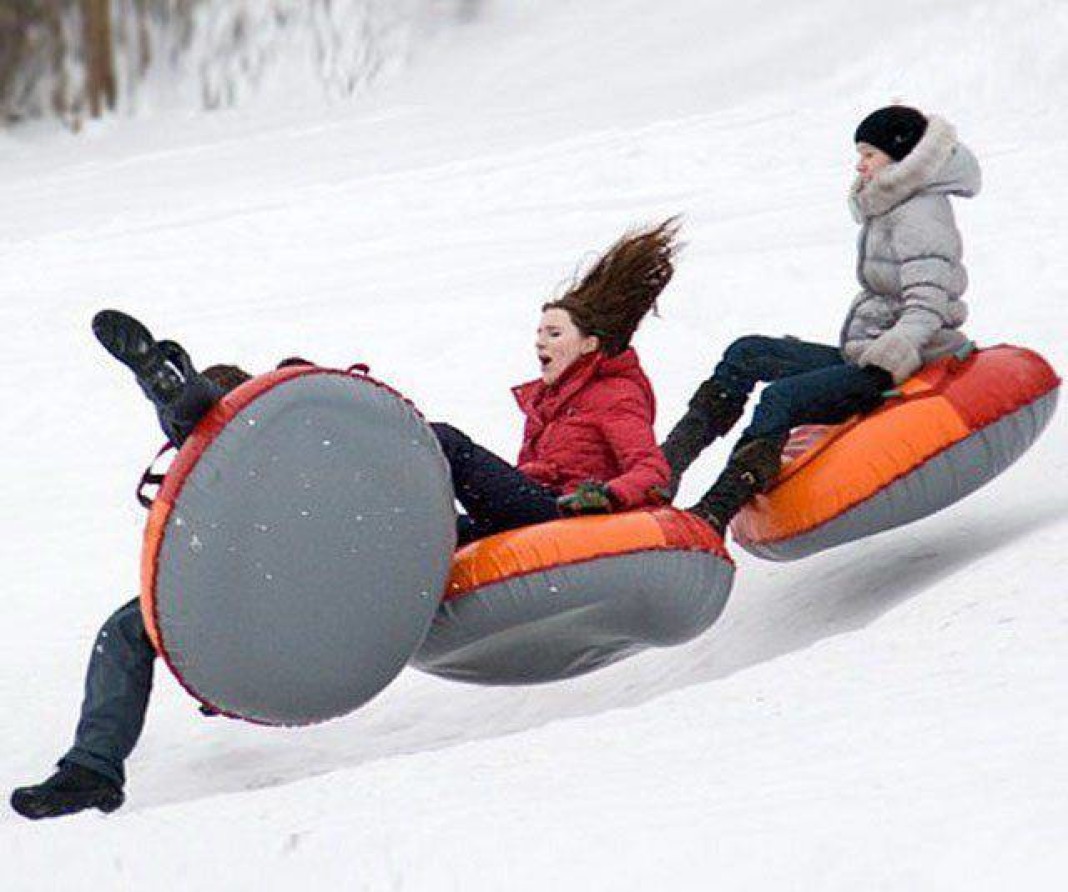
(908,312)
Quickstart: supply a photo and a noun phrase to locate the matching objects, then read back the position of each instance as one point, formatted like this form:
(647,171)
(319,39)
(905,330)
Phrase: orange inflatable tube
(953,427)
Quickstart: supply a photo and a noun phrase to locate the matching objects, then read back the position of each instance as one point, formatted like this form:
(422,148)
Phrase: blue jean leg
(496,495)
(755,358)
(824,396)
(117,687)
(808,384)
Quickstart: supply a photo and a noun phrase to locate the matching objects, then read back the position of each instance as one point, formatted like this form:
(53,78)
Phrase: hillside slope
(888,715)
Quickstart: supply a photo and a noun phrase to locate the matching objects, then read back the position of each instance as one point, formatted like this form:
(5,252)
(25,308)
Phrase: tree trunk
(100,85)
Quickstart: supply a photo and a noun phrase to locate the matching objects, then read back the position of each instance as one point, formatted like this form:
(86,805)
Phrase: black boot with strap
(753,466)
(132,344)
(712,412)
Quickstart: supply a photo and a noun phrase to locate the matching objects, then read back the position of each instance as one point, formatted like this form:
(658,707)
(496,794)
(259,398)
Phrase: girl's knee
(446,433)
(126,623)
(451,439)
(747,347)
(778,393)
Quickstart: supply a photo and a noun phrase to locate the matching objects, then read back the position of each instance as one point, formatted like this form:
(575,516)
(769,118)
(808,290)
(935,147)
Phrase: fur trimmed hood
(939,163)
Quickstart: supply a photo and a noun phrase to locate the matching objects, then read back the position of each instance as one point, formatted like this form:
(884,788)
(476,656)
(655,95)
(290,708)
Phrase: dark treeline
(68,57)
(80,59)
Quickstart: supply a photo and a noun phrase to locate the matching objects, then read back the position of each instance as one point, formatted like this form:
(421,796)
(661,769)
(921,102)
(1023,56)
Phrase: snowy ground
(890,715)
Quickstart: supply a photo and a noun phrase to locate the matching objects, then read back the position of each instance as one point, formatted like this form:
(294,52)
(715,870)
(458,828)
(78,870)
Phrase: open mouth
(544,360)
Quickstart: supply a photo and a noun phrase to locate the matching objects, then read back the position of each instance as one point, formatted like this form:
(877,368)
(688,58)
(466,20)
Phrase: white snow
(888,715)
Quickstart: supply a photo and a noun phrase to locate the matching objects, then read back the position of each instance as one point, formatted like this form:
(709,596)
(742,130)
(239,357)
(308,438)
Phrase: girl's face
(559,343)
(870,160)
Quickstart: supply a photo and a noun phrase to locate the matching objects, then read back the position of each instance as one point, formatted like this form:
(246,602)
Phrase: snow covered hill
(889,715)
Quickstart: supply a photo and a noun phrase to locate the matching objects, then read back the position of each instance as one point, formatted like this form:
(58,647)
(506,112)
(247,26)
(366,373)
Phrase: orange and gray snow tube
(559,599)
(956,425)
(298,548)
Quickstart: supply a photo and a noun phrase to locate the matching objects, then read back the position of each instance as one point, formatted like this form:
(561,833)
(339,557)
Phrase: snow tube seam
(455,592)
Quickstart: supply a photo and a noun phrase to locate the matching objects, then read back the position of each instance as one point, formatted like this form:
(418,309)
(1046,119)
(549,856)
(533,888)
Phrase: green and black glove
(589,497)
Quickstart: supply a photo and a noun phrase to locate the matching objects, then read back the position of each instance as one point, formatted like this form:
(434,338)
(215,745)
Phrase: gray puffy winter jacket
(909,256)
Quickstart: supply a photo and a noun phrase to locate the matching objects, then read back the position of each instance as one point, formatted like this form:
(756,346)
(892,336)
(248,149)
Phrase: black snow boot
(71,789)
(752,467)
(712,412)
(176,356)
(125,338)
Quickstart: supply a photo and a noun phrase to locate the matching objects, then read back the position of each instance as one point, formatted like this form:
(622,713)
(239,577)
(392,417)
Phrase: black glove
(881,378)
(589,497)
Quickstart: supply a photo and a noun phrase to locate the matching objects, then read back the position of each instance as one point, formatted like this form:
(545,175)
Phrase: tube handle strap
(152,478)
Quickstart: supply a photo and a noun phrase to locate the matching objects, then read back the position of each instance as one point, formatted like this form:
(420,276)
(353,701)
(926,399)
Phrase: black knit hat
(895,129)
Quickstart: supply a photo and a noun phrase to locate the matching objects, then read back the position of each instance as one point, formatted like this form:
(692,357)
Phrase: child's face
(559,343)
(870,160)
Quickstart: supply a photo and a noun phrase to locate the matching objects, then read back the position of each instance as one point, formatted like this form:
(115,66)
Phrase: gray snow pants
(117,687)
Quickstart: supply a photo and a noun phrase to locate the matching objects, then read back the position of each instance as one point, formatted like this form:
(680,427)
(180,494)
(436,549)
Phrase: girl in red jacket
(588,444)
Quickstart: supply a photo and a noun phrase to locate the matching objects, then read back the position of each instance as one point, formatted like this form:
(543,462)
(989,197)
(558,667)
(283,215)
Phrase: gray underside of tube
(937,483)
(571,619)
(307,552)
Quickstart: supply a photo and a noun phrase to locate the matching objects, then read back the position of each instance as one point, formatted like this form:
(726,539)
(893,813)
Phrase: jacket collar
(535,395)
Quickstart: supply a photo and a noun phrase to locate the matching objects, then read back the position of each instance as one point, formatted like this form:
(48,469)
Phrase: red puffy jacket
(595,423)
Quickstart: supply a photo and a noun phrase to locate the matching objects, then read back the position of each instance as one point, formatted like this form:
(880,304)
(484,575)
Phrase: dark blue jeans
(495,494)
(118,681)
(810,384)
(117,686)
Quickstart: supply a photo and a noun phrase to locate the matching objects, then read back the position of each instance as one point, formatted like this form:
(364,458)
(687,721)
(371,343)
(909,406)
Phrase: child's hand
(589,497)
(893,352)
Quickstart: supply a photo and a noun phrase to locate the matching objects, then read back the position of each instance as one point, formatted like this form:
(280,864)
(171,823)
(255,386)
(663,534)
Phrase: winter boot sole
(33,803)
(132,344)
